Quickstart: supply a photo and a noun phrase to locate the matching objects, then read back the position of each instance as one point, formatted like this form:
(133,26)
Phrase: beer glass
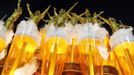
(121,43)
(22,49)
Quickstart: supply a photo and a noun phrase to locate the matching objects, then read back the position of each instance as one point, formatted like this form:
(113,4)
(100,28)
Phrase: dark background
(120,9)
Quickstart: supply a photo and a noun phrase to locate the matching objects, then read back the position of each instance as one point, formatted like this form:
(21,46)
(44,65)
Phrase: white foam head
(3,30)
(121,35)
(90,30)
(28,28)
(5,34)
(78,31)
(64,32)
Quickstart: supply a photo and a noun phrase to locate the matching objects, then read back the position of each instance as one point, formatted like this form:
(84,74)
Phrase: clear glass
(23,47)
(72,64)
(122,42)
(21,51)
(3,31)
(124,53)
(90,55)
(54,55)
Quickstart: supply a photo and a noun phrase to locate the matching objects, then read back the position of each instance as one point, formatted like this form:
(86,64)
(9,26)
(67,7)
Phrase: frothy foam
(29,28)
(121,35)
(79,32)
(3,30)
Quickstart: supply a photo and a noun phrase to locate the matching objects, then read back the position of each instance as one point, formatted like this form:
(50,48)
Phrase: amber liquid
(2,44)
(84,64)
(72,65)
(53,61)
(124,54)
(21,51)
(106,42)
(89,55)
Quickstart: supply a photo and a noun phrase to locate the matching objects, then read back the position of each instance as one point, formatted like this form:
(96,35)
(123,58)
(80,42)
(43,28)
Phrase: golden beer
(90,56)
(122,44)
(2,44)
(124,52)
(54,55)
(21,51)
